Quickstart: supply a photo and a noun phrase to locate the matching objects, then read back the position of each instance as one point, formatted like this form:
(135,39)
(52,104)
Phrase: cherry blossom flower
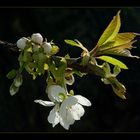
(65,111)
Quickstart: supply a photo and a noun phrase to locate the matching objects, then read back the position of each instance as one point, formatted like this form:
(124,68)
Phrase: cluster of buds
(36,41)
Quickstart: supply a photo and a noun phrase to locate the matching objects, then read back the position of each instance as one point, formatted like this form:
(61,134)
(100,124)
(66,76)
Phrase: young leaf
(71,42)
(113,61)
(123,38)
(122,50)
(80,74)
(76,43)
(119,89)
(111,31)
(13,89)
(18,80)
(106,68)
(11,74)
(116,70)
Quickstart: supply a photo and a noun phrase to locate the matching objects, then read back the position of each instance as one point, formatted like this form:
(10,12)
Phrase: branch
(74,63)
(9,46)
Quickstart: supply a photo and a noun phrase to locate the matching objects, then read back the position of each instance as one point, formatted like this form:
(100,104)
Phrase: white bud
(21,43)
(37,38)
(47,47)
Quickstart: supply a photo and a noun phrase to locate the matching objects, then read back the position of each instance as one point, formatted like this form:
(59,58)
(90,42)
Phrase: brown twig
(74,63)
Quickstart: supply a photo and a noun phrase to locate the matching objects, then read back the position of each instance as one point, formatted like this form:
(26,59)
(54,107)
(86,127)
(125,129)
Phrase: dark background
(108,113)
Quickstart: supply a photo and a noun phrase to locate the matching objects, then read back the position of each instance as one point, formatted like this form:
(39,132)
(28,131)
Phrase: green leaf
(67,56)
(71,42)
(113,61)
(58,70)
(77,44)
(119,89)
(121,50)
(13,89)
(41,61)
(27,57)
(78,73)
(18,80)
(109,44)
(11,74)
(111,31)
(123,38)
(116,70)
(105,81)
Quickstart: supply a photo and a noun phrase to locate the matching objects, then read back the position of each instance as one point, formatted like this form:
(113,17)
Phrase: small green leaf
(11,74)
(18,80)
(113,61)
(71,42)
(106,69)
(116,70)
(40,61)
(13,89)
(77,44)
(119,89)
(78,73)
(27,57)
(111,31)
(67,56)
(105,81)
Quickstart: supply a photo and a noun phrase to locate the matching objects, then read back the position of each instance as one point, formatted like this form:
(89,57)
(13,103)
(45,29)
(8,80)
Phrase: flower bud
(21,43)
(47,47)
(37,38)
(69,79)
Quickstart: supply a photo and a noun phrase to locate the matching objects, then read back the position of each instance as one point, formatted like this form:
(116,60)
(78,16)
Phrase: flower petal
(44,103)
(64,123)
(53,92)
(66,119)
(54,116)
(77,111)
(82,100)
(68,103)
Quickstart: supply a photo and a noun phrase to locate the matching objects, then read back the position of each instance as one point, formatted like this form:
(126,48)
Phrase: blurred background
(108,113)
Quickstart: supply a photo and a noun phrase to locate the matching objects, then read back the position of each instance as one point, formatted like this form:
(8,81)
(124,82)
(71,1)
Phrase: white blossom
(67,111)
(47,47)
(71,109)
(21,43)
(37,38)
